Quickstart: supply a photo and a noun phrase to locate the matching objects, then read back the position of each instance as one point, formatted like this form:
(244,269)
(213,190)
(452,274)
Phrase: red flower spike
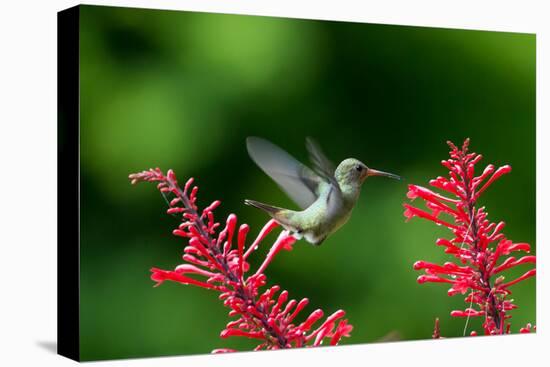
(214,264)
(478,244)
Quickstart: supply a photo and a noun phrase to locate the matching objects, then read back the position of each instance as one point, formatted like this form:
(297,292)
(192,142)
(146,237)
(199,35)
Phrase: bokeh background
(183,90)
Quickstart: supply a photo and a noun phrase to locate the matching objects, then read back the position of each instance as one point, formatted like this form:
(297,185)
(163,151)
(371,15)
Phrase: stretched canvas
(241,183)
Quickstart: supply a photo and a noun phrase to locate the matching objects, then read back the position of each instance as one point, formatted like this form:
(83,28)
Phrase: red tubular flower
(478,244)
(212,261)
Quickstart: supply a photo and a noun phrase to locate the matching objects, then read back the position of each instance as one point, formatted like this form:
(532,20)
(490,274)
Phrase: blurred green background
(183,90)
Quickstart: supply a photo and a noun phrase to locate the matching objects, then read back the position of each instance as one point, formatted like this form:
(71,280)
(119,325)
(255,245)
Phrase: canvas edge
(68,184)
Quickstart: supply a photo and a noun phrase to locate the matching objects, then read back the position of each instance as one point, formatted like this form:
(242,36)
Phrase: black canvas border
(68,184)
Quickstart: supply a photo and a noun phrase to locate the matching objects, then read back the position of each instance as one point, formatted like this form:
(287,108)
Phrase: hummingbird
(325,194)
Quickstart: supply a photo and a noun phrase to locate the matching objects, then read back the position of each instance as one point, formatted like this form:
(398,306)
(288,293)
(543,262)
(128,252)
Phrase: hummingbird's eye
(358,168)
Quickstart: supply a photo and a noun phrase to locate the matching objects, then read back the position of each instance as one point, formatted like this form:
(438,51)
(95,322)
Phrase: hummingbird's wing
(321,164)
(325,168)
(299,182)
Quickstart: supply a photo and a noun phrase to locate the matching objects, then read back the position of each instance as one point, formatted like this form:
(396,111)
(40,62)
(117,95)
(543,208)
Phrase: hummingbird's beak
(373,172)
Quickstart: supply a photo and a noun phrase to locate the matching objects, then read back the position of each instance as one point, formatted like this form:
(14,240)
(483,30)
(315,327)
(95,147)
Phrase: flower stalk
(482,250)
(213,261)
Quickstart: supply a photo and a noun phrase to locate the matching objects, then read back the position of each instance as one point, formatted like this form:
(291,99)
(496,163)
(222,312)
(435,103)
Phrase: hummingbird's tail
(269,209)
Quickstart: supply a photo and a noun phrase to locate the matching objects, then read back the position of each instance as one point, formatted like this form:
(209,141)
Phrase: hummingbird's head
(354,172)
